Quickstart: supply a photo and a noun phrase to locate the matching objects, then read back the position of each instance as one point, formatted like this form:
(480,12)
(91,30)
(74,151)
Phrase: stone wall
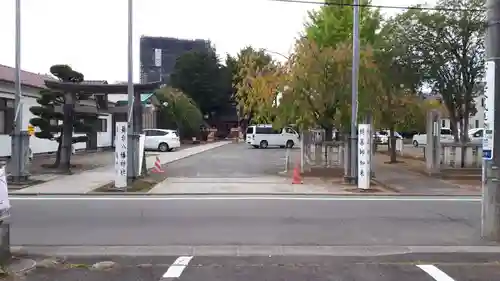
(451,155)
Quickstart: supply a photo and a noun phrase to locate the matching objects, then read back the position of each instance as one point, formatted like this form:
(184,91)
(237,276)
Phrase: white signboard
(4,195)
(489,111)
(142,139)
(157,57)
(364,153)
(121,155)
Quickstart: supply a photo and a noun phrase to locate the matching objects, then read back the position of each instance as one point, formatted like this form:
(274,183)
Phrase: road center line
(175,270)
(435,272)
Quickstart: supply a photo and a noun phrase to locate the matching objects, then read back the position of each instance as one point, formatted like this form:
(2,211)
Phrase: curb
(173,195)
(253,250)
(386,186)
(105,168)
(401,193)
(175,160)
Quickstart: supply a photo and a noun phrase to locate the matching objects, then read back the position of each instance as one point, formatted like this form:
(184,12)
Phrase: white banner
(489,111)
(157,57)
(121,155)
(364,152)
(4,195)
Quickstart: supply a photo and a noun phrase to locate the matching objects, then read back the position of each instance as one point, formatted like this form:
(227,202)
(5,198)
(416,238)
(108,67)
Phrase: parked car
(476,135)
(383,136)
(263,136)
(421,139)
(161,139)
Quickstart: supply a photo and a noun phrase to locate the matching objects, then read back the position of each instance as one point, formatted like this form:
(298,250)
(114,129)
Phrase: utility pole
(490,217)
(18,155)
(131,164)
(353,167)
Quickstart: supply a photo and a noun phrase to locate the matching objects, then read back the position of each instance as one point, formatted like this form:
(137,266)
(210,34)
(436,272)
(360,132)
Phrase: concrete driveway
(237,160)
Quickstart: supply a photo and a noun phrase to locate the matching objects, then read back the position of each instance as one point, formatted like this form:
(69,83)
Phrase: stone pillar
(433,145)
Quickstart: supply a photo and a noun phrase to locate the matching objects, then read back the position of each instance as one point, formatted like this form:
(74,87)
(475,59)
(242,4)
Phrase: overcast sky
(91,35)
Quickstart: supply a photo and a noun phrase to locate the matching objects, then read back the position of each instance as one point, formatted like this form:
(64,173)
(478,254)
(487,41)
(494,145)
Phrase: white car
(383,136)
(421,139)
(263,136)
(161,139)
(476,135)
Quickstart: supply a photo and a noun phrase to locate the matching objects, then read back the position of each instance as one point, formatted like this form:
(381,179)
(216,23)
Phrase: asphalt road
(292,221)
(456,267)
(232,160)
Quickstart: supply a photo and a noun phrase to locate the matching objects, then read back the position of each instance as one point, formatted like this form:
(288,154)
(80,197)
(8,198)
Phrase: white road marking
(435,272)
(175,270)
(237,197)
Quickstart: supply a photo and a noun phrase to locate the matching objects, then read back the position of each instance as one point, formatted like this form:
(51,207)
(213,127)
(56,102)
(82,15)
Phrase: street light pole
(490,217)
(131,170)
(17,139)
(353,165)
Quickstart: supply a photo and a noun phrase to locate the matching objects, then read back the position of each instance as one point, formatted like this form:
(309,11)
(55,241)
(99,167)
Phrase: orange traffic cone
(297,179)
(157,167)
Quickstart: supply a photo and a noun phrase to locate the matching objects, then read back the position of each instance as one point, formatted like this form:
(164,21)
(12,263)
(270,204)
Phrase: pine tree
(49,113)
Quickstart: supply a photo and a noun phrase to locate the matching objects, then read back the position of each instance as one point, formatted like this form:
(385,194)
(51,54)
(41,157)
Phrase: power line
(381,6)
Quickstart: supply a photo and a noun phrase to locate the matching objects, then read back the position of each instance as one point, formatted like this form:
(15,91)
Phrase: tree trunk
(58,155)
(465,135)
(328,133)
(67,135)
(453,127)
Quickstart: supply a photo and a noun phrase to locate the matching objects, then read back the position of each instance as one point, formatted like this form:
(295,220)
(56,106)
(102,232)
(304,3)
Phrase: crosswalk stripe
(435,272)
(176,269)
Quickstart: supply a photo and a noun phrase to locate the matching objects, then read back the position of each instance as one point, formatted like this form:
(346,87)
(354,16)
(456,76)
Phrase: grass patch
(142,184)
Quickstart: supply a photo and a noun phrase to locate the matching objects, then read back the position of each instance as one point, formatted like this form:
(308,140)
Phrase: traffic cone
(157,167)
(297,179)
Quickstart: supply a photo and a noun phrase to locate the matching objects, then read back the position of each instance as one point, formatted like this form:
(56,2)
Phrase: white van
(264,136)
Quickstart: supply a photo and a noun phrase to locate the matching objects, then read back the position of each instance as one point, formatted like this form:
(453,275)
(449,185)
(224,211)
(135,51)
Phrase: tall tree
(398,105)
(261,89)
(181,113)
(447,46)
(319,84)
(50,116)
(201,76)
(333,24)
(245,67)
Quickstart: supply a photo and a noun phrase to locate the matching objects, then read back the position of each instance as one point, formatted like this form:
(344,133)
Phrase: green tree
(447,47)
(181,112)
(245,67)
(201,76)
(398,105)
(333,24)
(318,86)
(49,115)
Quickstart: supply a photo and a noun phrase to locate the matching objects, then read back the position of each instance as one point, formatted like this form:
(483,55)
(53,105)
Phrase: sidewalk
(255,185)
(89,180)
(404,181)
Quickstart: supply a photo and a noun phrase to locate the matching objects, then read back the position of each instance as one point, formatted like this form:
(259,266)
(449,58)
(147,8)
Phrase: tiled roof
(8,74)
